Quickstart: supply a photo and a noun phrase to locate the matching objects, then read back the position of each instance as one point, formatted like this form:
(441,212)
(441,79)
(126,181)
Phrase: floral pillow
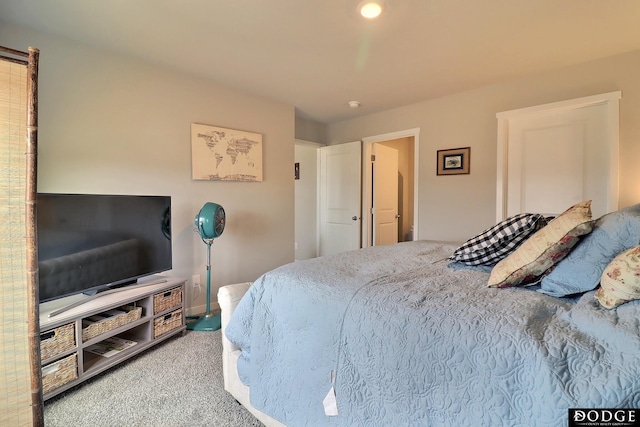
(544,249)
(620,281)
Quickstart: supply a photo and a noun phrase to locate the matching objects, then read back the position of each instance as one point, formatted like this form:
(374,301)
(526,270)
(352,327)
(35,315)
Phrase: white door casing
(340,196)
(554,155)
(385,196)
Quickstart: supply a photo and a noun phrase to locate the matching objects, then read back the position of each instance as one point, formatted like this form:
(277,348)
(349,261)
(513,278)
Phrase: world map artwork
(220,154)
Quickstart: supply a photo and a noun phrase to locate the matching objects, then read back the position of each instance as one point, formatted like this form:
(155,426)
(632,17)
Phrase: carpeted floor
(177,383)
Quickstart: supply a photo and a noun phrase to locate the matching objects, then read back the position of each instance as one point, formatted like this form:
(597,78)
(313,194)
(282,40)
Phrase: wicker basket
(59,373)
(166,323)
(57,341)
(94,329)
(167,300)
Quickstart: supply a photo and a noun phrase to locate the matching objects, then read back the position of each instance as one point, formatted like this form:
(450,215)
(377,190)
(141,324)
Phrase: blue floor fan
(210,225)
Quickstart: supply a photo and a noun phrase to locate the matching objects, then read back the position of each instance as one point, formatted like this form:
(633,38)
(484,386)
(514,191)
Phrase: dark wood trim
(14,52)
(17,61)
(33,307)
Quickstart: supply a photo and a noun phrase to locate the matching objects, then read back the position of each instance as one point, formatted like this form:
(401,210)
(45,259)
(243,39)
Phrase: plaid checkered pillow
(495,243)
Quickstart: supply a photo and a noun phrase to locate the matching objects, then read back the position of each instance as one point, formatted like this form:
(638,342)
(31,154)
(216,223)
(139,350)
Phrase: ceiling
(318,56)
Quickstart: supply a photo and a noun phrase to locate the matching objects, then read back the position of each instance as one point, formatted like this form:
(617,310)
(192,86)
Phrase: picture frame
(454,161)
(223,154)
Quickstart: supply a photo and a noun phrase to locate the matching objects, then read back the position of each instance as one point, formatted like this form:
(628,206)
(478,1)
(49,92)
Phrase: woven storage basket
(59,373)
(166,323)
(167,300)
(57,340)
(98,328)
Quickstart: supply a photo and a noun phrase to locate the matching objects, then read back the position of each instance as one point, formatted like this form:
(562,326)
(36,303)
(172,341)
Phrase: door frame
(367,184)
(611,99)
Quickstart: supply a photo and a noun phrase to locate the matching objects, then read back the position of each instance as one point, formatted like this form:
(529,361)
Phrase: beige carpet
(177,383)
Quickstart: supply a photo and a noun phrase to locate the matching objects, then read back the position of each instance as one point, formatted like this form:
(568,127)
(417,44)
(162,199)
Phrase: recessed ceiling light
(354,104)
(371,8)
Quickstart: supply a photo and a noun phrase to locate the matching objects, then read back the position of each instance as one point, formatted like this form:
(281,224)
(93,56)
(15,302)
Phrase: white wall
(110,124)
(458,207)
(310,130)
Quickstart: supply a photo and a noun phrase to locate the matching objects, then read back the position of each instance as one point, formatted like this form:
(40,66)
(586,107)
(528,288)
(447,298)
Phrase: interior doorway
(376,188)
(308,208)
(387,195)
(306,199)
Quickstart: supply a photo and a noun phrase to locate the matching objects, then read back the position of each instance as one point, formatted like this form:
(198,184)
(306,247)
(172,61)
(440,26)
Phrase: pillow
(620,281)
(495,243)
(581,270)
(545,248)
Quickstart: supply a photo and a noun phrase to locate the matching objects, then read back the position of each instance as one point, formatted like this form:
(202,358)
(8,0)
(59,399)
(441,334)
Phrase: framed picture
(455,161)
(221,154)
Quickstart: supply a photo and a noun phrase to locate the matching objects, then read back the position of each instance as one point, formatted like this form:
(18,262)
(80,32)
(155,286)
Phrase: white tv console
(154,312)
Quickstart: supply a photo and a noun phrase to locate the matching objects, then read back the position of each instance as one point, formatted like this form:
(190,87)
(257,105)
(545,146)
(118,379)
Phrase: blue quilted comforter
(415,343)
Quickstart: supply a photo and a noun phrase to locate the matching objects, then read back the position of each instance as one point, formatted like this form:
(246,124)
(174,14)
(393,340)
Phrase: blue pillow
(580,271)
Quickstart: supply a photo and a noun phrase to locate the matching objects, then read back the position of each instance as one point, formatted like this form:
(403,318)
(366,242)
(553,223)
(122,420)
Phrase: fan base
(209,322)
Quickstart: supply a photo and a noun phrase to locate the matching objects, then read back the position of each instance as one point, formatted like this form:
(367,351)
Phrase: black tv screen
(88,242)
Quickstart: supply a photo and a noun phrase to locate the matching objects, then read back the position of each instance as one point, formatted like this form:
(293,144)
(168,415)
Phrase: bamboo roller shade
(16,296)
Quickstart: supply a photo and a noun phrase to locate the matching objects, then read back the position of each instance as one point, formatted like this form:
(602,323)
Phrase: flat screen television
(89,243)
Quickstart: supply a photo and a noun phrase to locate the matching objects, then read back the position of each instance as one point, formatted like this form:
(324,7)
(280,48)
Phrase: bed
(430,333)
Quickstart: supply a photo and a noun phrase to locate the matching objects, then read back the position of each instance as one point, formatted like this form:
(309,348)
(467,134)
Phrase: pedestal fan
(209,223)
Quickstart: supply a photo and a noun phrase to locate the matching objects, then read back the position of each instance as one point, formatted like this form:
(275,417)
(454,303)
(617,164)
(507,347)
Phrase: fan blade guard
(210,221)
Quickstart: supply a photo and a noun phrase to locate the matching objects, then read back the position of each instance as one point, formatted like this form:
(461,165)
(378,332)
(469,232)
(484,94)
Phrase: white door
(340,210)
(385,195)
(557,155)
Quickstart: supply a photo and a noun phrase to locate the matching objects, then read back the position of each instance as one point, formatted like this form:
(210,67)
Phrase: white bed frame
(228,297)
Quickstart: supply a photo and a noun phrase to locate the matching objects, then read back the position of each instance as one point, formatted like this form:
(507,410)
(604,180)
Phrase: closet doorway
(554,155)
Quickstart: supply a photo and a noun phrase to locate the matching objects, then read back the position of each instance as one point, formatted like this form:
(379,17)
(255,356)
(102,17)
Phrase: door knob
(355,218)
(397,216)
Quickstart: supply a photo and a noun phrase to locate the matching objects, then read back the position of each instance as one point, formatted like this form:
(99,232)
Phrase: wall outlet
(195,280)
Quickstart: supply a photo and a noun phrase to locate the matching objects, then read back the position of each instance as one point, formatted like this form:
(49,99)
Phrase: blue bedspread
(414,343)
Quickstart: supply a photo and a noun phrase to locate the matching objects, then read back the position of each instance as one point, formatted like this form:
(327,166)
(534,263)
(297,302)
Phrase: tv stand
(141,316)
(89,297)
